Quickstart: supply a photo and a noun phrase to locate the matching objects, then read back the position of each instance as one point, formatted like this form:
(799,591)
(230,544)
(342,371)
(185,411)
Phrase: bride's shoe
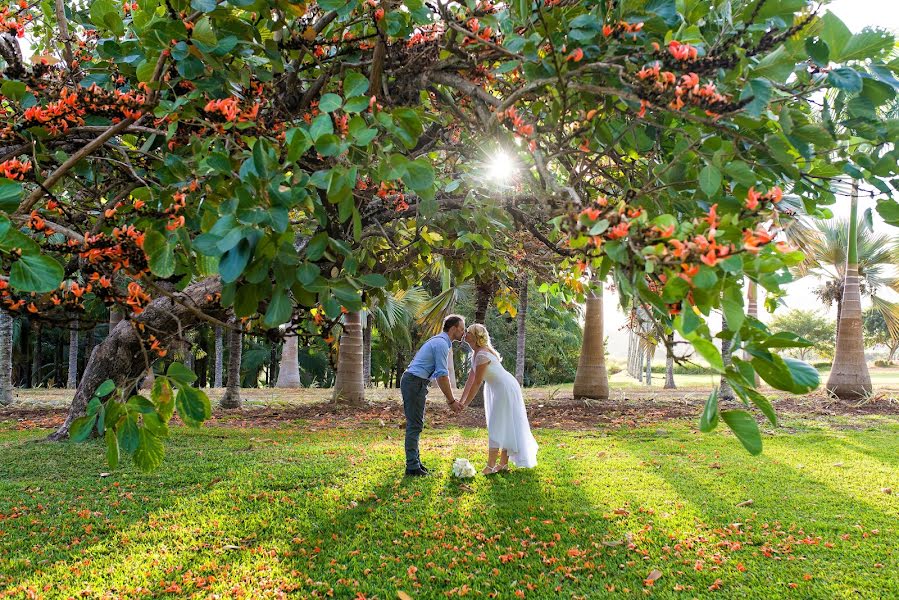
(488,470)
(502,468)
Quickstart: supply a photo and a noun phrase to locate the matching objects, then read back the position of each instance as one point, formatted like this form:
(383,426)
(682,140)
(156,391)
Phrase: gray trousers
(414,390)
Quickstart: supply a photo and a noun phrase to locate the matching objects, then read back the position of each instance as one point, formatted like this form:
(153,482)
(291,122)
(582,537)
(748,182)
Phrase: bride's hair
(482,338)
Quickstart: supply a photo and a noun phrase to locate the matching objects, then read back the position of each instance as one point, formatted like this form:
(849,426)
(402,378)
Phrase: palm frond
(432,313)
(890,312)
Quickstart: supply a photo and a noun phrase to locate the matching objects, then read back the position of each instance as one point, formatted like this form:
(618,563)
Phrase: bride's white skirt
(507,420)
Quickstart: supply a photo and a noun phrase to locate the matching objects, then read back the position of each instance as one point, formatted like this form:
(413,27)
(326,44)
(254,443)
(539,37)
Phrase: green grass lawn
(257,513)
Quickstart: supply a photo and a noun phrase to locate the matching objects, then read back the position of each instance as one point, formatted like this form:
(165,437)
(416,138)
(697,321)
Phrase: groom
(430,362)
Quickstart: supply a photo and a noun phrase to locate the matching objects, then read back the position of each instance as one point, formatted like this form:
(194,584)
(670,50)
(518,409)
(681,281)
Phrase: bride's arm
(473,383)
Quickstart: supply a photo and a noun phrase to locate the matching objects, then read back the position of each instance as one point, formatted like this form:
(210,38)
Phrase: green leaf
(160,254)
(868,44)
(180,374)
(835,33)
(745,428)
(329,103)
(81,428)
(321,125)
(206,6)
(889,211)
(36,273)
(355,84)
(13,89)
(675,289)
(805,377)
(741,173)
(317,246)
(10,194)
(328,145)
(419,175)
(710,180)
(732,305)
(709,351)
(818,51)
(105,388)
(128,435)
(373,280)
(149,452)
(279,309)
(846,79)
(234,261)
(164,398)
(193,406)
(112,449)
(709,419)
(760,91)
(140,404)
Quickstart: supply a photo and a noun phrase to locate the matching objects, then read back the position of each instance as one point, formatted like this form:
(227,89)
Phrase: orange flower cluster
(686,90)
(521,128)
(622,28)
(474,26)
(774,196)
(71,107)
(229,109)
(14,169)
(10,23)
(681,51)
(137,298)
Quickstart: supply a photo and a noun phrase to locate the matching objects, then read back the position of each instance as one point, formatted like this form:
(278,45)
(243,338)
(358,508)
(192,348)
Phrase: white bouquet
(463,469)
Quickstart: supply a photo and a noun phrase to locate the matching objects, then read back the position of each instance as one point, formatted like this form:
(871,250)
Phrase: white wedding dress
(507,419)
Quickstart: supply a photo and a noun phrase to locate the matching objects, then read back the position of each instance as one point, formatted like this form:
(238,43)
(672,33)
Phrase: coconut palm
(289,367)
(592,379)
(231,398)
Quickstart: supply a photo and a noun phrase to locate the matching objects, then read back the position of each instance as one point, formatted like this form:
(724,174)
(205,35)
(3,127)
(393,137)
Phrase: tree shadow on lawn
(792,515)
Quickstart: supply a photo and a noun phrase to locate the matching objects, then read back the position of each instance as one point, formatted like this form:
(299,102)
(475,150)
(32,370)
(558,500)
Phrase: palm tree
(72,382)
(289,367)
(231,398)
(669,363)
(349,386)
(393,317)
(522,334)
(849,377)
(592,379)
(219,355)
(6,348)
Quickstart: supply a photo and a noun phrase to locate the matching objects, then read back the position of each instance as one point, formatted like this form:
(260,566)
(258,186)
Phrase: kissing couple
(508,432)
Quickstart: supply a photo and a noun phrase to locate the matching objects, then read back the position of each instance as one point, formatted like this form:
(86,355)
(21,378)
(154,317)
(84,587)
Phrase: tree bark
(72,381)
(219,355)
(115,317)
(37,358)
(725,392)
(366,349)
(6,389)
(752,311)
(849,377)
(231,398)
(592,379)
(522,333)
(349,387)
(669,363)
(650,353)
(123,355)
(289,369)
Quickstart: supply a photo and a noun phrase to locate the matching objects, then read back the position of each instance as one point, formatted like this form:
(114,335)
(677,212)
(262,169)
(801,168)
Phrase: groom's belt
(425,379)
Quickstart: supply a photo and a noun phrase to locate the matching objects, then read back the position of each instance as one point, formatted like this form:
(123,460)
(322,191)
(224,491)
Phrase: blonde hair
(482,338)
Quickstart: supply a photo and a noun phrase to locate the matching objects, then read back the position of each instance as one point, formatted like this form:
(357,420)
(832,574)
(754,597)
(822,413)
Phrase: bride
(507,421)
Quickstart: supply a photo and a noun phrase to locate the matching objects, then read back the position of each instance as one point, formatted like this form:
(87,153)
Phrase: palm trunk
(752,309)
(631,354)
(366,349)
(522,333)
(592,379)
(650,353)
(231,398)
(219,355)
(6,389)
(669,363)
(348,384)
(849,376)
(72,381)
(36,356)
(725,392)
(640,349)
(289,368)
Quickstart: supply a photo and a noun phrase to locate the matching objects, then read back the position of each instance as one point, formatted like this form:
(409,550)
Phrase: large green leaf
(180,374)
(81,428)
(112,449)
(279,309)
(160,254)
(709,419)
(10,194)
(36,273)
(149,452)
(745,428)
(846,79)
(193,406)
(710,352)
(710,180)
(355,84)
(732,305)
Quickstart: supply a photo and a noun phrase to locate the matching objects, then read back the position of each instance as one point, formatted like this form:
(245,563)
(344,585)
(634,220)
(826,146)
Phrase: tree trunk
(36,356)
(725,392)
(650,353)
(522,334)
(669,363)
(399,368)
(231,398)
(592,379)
(641,355)
(72,381)
(27,353)
(485,292)
(57,364)
(219,352)
(289,369)
(752,311)
(115,317)
(366,349)
(6,389)
(849,378)
(348,384)
(122,356)
(631,354)
(88,349)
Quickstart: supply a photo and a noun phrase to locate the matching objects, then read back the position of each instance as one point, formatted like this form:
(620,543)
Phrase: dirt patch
(547,408)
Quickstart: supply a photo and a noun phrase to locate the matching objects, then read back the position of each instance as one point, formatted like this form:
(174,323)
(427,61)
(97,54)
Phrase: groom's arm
(444,384)
(441,372)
